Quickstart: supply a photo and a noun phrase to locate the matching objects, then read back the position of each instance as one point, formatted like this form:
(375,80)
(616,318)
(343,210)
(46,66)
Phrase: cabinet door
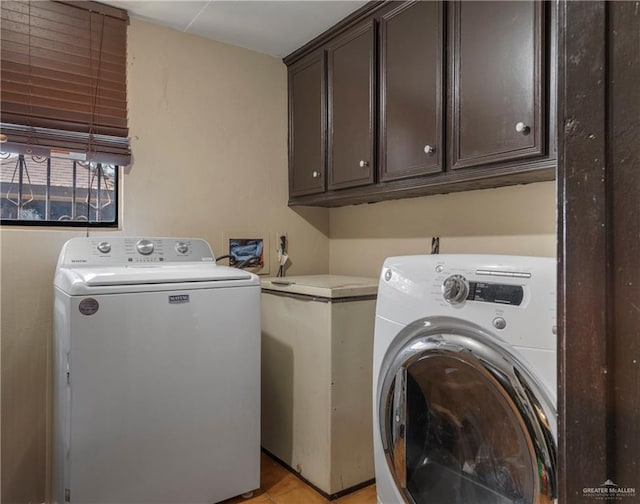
(411,47)
(497,82)
(307,126)
(351,94)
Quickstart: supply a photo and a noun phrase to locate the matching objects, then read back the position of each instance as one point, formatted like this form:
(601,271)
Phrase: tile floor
(279,486)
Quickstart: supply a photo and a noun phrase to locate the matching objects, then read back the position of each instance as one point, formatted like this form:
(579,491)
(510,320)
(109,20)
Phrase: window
(41,190)
(63,112)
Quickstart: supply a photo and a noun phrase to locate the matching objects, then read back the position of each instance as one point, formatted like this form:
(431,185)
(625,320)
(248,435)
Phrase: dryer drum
(462,420)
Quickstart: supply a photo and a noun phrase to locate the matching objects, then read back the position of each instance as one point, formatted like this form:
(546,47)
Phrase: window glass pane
(56,191)
(465,442)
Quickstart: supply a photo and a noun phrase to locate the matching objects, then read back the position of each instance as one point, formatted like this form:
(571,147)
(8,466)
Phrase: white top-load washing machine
(464,379)
(157,373)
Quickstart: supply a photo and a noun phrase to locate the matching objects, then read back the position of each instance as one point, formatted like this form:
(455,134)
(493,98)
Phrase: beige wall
(517,220)
(209,133)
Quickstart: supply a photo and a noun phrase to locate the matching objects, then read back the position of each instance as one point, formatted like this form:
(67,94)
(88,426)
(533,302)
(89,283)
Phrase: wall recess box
(235,239)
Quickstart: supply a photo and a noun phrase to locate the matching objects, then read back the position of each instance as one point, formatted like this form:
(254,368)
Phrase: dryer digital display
(496,293)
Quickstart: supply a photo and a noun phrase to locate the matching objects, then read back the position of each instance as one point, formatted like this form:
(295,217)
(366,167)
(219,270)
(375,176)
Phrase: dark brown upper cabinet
(351,106)
(411,84)
(428,97)
(307,125)
(497,82)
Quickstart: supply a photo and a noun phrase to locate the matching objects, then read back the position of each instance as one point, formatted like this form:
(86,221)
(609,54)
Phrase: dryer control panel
(513,296)
(496,293)
(457,289)
(122,250)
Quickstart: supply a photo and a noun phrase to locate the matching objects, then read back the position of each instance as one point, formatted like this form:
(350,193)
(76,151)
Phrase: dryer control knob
(455,289)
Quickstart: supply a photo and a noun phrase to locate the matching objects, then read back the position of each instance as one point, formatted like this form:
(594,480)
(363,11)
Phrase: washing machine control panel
(119,250)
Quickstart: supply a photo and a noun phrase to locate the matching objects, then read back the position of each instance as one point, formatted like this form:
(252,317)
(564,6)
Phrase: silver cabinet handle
(364,164)
(522,128)
(316,174)
(428,149)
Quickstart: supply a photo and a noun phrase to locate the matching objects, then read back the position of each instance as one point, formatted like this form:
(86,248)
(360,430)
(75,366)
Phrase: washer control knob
(104,247)
(499,323)
(144,247)
(182,247)
(455,289)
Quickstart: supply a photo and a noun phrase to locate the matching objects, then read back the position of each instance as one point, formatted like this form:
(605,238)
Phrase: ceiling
(276,28)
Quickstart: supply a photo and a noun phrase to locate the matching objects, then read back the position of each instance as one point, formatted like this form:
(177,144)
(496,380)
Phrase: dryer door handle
(399,427)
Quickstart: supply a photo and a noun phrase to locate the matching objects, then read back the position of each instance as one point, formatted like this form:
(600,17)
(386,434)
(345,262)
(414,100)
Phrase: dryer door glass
(465,441)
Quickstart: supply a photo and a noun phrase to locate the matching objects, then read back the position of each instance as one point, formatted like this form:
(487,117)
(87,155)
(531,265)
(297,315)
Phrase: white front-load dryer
(464,380)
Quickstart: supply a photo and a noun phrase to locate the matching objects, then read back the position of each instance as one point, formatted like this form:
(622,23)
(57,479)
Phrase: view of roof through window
(42,190)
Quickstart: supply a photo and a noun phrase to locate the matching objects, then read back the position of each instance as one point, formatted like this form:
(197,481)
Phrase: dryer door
(463,420)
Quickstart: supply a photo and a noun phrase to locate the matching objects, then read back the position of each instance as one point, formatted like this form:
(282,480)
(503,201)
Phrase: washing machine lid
(80,280)
(462,418)
(173,273)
